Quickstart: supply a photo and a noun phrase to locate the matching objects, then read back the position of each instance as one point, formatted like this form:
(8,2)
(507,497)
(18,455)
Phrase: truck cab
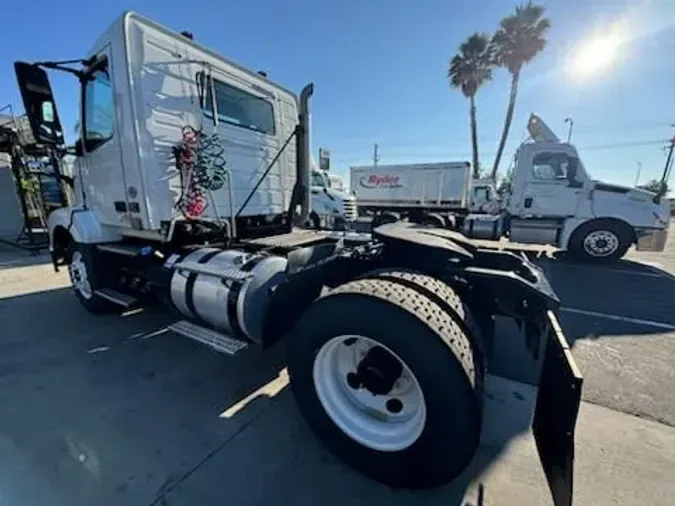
(484,197)
(330,205)
(553,200)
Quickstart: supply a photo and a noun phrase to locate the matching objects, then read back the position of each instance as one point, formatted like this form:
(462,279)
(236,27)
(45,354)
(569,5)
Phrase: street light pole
(637,176)
(569,120)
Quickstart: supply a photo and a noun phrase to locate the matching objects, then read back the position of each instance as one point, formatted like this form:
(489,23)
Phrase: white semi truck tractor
(332,206)
(552,200)
(192,182)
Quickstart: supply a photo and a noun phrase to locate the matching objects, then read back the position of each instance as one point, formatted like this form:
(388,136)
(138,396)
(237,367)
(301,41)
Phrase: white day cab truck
(193,175)
(551,200)
(332,206)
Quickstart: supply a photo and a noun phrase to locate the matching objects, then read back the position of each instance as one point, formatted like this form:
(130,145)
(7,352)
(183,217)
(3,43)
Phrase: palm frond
(472,65)
(520,37)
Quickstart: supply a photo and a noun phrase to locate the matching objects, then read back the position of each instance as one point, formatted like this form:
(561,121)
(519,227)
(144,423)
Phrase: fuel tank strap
(189,286)
(233,297)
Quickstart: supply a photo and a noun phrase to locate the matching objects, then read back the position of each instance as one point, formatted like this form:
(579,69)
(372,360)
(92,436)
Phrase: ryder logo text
(380,181)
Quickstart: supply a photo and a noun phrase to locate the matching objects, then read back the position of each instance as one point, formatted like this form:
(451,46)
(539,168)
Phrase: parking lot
(118,410)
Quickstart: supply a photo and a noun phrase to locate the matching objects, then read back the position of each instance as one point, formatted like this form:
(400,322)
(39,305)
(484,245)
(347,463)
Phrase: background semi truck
(198,205)
(550,199)
(332,206)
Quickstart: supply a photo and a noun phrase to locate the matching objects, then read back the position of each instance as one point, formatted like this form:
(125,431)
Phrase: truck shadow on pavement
(119,410)
(9,258)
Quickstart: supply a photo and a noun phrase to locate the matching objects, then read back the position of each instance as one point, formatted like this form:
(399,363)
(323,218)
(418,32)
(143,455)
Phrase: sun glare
(595,55)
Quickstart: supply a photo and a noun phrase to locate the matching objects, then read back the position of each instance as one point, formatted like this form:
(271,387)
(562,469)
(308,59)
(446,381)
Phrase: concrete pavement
(110,410)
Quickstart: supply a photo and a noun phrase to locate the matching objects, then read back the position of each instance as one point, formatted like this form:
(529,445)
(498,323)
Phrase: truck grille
(350,209)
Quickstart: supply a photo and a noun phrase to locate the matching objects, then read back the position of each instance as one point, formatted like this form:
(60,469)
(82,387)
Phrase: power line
(435,153)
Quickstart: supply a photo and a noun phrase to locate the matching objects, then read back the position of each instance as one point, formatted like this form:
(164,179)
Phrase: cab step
(127,250)
(216,340)
(121,299)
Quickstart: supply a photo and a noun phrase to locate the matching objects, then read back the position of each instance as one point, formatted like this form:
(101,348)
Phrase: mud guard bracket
(555,415)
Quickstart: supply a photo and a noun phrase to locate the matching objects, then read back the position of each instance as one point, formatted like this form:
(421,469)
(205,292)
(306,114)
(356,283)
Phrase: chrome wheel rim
(601,243)
(390,421)
(79,278)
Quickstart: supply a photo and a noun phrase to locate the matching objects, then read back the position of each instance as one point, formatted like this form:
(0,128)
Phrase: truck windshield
(319,180)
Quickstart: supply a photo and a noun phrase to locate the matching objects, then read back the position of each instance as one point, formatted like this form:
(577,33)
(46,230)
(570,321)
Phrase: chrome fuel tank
(229,290)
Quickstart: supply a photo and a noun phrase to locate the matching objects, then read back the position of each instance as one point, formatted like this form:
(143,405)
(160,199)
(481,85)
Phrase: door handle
(528,202)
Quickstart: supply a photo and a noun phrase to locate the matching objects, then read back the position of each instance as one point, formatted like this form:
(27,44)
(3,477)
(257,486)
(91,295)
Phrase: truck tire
(433,220)
(448,300)
(347,351)
(383,219)
(85,277)
(314,221)
(600,241)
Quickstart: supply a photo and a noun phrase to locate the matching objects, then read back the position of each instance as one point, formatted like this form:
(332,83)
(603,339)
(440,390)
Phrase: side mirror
(38,100)
(77,148)
(572,171)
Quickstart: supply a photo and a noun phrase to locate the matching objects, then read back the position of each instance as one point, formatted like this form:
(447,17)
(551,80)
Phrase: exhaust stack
(301,192)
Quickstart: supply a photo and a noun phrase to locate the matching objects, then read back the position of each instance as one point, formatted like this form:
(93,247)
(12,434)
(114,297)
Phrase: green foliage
(520,37)
(655,186)
(472,65)
(469,69)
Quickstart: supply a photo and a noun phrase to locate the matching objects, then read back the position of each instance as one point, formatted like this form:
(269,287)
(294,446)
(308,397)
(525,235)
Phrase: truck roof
(435,165)
(126,17)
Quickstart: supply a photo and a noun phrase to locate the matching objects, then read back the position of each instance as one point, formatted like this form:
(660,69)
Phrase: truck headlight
(659,220)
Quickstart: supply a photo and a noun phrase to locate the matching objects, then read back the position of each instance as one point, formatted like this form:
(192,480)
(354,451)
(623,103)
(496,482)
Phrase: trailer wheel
(387,381)
(85,278)
(600,240)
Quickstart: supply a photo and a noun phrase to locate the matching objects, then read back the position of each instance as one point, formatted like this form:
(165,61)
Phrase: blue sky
(379,70)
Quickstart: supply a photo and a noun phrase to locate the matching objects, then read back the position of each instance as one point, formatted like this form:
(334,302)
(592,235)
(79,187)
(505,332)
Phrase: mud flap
(555,415)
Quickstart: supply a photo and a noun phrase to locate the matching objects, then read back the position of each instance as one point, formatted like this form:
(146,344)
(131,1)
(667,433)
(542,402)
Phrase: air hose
(202,167)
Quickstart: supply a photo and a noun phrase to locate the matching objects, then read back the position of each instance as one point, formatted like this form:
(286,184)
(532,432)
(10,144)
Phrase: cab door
(102,171)
(552,188)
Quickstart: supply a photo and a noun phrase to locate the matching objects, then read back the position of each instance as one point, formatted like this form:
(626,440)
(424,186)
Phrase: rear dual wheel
(389,381)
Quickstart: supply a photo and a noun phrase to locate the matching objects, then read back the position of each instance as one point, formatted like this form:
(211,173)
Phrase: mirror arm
(61,65)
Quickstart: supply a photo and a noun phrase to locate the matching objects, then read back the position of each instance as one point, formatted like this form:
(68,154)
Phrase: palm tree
(469,69)
(520,37)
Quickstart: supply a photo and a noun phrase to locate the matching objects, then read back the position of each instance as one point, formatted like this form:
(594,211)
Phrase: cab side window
(99,108)
(550,166)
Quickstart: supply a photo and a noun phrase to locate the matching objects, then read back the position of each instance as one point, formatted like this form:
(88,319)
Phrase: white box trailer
(429,186)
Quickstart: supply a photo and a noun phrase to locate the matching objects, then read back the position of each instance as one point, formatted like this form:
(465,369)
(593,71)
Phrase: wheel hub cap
(369,393)
(601,243)
(378,371)
(77,270)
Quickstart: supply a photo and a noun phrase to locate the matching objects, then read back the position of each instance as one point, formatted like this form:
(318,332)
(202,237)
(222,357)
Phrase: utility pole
(669,164)
(670,156)
(637,176)
(376,155)
(666,169)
